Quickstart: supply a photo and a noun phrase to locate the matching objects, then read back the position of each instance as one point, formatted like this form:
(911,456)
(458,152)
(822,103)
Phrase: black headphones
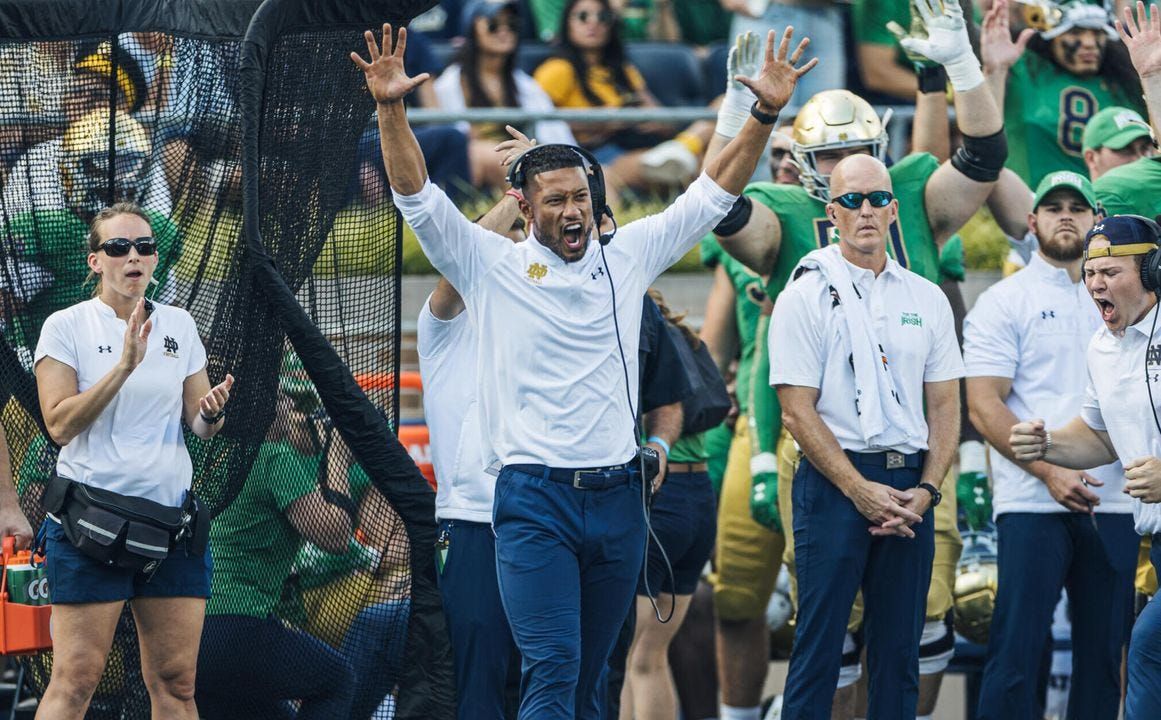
(593,171)
(1151,265)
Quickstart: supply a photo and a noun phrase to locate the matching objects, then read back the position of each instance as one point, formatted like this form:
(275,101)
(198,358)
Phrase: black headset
(593,171)
(1151,265)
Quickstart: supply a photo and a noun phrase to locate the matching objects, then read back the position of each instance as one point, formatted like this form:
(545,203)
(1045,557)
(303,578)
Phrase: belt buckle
(896,460)
(576,479)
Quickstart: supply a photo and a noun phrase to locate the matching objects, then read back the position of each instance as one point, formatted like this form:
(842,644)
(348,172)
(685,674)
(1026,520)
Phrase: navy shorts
(74,577)
(684,518)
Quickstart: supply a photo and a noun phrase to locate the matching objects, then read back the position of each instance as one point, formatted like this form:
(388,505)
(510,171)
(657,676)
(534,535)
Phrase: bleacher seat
(671,71)
(531,54)
(713,70)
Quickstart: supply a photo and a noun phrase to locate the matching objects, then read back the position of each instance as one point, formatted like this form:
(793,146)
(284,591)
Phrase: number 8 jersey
(1045,111)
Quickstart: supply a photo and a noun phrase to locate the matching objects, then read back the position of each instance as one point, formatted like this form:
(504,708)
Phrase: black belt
(584,478)
(889,460)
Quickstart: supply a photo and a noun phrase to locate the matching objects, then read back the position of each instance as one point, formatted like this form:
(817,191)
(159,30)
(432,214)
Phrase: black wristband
(212,419)
(932,78)
(764,118)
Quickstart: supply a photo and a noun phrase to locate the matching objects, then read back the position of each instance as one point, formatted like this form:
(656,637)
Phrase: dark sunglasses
(604,17)
(854,200)
(119,247)
(494,25)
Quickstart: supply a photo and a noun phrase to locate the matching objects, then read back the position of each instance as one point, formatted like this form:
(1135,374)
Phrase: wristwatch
(936,495)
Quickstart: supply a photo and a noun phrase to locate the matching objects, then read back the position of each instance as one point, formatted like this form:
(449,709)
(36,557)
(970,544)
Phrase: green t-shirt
(1045,111)
(869,20)
(253,542)
(57,241)
(748,298)
(1132,189)
(805,227)
(689,449)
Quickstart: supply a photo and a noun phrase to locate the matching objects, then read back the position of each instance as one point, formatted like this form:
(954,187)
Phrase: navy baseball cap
(1126,235)
(485,9)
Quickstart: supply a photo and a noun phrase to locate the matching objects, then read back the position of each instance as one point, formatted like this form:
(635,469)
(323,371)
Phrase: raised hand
(775,83)
(947,37)
(511,149)
(214,402)
(745,59)
(998,50)
(136,337)
(387,80)
(1142,36)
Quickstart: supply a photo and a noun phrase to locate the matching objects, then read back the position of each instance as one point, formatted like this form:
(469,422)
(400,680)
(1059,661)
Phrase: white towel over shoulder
(881,417)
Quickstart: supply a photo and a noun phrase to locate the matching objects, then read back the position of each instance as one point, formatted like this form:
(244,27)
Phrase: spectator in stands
(251,663)
(591,70)
(698,22)
(820,20)
(484,74)
(36,181)
(1075,69)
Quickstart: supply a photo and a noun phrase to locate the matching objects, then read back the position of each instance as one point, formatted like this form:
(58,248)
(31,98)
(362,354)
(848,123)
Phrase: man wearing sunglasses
(864,356)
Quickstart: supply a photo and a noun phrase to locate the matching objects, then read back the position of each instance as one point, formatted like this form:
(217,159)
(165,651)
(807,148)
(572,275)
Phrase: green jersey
(252,540)
(869,20)
(56,240)
(1045,111)
(805,227)
(1132,189)
(748,298)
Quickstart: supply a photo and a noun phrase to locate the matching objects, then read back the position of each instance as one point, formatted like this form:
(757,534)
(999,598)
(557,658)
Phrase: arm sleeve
(991,346)
(670,234)
(557,78)
(944,362)
(459,249)
(765,409)
(435,336)
(1090,409)
(794,341)
(56,342)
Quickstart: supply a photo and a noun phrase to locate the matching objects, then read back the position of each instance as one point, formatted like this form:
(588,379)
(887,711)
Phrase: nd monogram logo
(536,272)
(170,347)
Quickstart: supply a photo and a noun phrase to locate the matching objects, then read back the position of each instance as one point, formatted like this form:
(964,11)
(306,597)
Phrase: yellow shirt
(559,80)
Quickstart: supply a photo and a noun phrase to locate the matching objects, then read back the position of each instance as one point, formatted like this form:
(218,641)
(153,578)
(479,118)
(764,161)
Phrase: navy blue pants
(482,644)
(836,555)
(1039,554)
(1143,700)
(567,561)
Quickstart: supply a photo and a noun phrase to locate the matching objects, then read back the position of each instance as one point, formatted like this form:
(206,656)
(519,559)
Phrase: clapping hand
(775,83)
(1142,36)
(387,80)
(136,337)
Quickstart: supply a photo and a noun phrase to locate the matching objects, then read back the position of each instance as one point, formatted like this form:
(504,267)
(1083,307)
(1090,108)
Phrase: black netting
(254,152)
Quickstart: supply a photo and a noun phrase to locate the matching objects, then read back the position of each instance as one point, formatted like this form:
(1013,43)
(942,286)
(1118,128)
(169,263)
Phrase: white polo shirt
(447,364)
(1034,329)
(551,384)
(913,321)
(1117,400)
(135,446)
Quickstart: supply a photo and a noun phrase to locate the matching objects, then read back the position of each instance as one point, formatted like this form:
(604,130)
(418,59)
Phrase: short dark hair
(547,159)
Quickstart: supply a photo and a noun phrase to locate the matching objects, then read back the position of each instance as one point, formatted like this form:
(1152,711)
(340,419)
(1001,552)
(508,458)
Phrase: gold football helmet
(976,580)
(85,157)
(834,120)
(1041,15)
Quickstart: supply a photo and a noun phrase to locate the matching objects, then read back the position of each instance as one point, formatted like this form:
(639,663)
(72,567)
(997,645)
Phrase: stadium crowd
(636,514)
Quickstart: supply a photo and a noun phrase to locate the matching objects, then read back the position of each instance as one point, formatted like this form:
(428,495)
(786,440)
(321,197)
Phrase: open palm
(387,80)
(997,48)
(775,83)
(1142,36)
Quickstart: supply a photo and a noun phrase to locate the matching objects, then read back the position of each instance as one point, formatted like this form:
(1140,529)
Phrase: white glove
(744,59)
(947,43)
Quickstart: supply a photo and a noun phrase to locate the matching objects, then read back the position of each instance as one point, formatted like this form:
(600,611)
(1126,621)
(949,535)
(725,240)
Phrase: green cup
(27,585)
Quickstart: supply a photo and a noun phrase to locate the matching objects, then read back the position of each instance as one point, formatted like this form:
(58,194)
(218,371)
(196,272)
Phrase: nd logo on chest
(536,273)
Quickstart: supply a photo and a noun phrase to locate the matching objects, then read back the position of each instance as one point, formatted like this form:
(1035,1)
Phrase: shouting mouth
(1107,308)
(573,236)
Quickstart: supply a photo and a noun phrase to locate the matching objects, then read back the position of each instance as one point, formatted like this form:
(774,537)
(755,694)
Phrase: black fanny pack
(123,531)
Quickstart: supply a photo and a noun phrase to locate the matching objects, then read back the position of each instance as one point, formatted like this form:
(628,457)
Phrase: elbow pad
(982,158)
(736,218)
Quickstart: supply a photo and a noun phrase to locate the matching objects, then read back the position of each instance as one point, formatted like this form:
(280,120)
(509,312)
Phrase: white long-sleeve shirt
(551,382)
